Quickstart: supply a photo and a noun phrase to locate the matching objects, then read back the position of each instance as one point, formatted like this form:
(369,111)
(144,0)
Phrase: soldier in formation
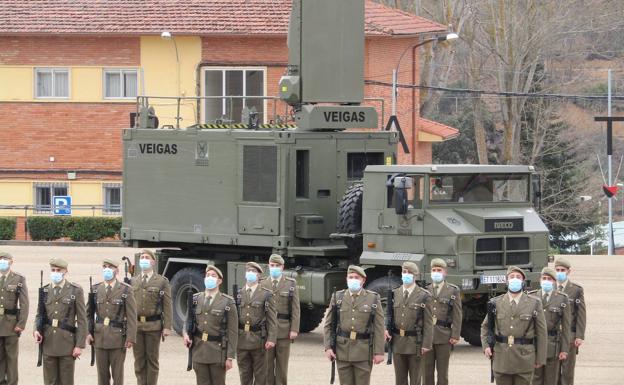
(576,298)
(558,316)
(115,324)
(411,332)
(514,334)
(285,296)
(356,323)
(152,294)
(257,324)
(447,321)
(213,332)
(13,316)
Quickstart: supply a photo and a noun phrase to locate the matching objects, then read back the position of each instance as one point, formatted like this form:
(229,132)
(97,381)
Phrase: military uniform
(152,294)
(447,321)
(412,331)
(215,337)
(257,324)
(116,324)
(521,338)
(359,334)
(558,317)
(576,300)
(286,301)
(13,313)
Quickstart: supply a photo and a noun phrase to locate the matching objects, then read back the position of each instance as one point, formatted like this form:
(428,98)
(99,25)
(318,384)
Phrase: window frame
(111,209)
(47,209)
(121,72)
(223,69)
(52,70)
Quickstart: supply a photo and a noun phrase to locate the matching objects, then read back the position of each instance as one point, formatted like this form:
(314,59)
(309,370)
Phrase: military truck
(321,196)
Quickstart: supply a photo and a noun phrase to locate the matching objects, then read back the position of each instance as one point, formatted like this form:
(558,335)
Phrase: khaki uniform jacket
(355,314)
(558,319)
(112,308)
(576,297)
(9,298)
(418,304)
(286,287)
(526,322)
(66,308)
(209,323)
(152,299)
(440,303)
(255,311)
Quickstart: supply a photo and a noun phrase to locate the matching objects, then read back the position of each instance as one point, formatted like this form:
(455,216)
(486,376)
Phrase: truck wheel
(381,286)
(471,332)
(310,318)
(188,278)
(350,210)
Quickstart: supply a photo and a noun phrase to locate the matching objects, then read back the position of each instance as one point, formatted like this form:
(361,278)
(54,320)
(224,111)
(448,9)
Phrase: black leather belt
(516,341)
(408,333)
(354,335)
(553,333)
(283,316)
(115,324)
(208,337)
(444,324)
(253,328)
(10,311)
(62,325)
(151,318)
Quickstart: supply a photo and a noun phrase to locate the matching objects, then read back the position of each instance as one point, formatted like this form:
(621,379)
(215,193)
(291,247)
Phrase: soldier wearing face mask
(519,332)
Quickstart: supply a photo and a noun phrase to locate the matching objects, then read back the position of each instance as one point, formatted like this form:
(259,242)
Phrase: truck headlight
(467,284)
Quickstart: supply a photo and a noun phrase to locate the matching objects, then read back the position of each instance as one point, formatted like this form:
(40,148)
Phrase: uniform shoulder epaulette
(575,285)
(18,274)
(97,284)
(47,285)
(196,295)
(290,279)
(228,296)
(533,291)
(455,287)
(534,298)
(74,284)
(425,291)
(124,284)
(372,292)
(266,289)
(562,294)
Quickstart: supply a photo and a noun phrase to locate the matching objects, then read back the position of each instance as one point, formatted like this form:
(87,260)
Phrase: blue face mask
(354,284)
(145,264)
(547,286)
(210,283)
(108,273)
(56,277)
(562,276)
(514,285)
(276,272)
(251,277)
(437,277)
(407,279)
(4,264)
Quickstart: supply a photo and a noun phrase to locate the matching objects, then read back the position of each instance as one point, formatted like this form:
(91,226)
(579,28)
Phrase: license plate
(490,279)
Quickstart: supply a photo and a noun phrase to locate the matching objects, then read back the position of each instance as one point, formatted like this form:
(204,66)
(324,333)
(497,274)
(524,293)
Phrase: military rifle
(390,318)
(491,314)
(190,325)
(128,268)
(42,318)
(333,336)
(91,311)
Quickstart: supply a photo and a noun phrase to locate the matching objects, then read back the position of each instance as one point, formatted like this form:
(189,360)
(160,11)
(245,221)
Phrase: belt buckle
(55,323)
(402,332)
(142,319)
(353,335)
(1,311)
(106,321)
(247,327)
(204,337)
(435,320)
(510,340)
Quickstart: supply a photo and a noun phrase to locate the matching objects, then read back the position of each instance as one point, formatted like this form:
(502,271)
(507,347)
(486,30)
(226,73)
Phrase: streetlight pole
(167,36)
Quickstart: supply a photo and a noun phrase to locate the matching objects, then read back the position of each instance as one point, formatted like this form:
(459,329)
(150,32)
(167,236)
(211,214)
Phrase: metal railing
(48,210)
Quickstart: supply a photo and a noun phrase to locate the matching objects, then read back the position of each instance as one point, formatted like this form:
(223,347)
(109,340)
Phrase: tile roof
(186,17)
(437,129)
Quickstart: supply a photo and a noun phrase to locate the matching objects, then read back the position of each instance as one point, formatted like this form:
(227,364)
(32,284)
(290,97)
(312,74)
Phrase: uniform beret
(550,272)
(438,262)
(357,270)
(276,258)
(148,252)
(4,254)
(58,262)
(516,269)
(411,267)
(254,266)
(215,269)
(563,262)
(109,261)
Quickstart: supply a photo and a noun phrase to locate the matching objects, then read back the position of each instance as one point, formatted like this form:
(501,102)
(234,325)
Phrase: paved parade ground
(600,362)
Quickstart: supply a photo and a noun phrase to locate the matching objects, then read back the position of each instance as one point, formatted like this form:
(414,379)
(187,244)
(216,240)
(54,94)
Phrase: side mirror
(400,201)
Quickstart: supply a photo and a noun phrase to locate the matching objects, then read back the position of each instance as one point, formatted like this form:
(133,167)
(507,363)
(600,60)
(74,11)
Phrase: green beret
(4,254)
(516,269)
(563,262)
(58,262)
(215,269)
(550,272)
(148,252)
(357,270)
(411,267)
(109,261)
(276,258)
(254,266)
(438,262)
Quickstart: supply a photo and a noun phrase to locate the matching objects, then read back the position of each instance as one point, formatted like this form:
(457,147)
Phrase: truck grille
(502,251)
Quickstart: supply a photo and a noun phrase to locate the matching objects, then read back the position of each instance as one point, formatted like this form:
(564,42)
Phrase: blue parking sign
(62,205)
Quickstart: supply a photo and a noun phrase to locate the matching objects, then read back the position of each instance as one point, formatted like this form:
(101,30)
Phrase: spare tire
(350,210)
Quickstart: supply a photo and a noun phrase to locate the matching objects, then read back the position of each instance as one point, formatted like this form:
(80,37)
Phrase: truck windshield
(473,188)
